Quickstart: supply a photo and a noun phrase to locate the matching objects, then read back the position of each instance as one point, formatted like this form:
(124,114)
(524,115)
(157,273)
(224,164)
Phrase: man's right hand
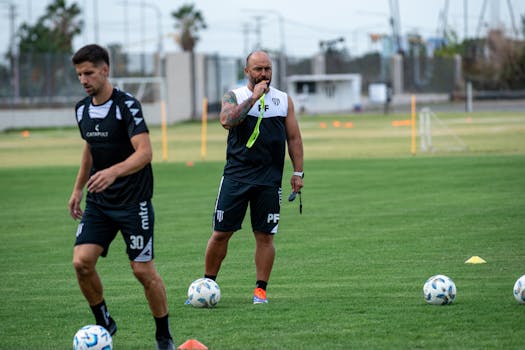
(74,204)
(260,89)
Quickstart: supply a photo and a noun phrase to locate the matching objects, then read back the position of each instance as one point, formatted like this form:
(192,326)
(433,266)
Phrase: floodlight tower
(495,16)
(442,21)
(395,22)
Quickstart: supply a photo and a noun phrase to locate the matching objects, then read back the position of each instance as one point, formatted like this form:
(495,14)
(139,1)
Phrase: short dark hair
(93,53)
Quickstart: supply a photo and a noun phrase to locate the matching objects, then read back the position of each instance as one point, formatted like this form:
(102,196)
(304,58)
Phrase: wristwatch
(299,173)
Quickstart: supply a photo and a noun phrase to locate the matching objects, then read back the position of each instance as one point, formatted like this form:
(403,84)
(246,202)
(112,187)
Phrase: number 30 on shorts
(136,242)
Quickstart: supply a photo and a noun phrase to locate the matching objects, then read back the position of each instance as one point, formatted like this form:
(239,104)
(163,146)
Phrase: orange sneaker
(259,296)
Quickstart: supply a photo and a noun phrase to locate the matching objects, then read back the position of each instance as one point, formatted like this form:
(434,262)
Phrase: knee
(263,239)
(82,267)
(144,272)
(220,238)
(85,258)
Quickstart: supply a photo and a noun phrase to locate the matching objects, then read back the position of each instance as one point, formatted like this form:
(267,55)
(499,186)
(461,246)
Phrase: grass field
(349,271)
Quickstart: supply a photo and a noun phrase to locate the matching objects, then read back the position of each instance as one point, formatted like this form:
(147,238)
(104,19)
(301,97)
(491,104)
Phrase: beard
(255,81)
(90,90)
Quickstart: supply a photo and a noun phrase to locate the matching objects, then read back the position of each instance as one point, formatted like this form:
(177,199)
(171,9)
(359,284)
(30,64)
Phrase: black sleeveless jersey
(263,163)
(108,129)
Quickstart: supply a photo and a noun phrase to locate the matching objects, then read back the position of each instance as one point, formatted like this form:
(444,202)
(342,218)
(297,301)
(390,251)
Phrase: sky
(234,27)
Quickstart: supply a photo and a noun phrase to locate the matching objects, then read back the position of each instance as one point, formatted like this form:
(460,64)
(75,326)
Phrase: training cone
(192,344)
(475,260)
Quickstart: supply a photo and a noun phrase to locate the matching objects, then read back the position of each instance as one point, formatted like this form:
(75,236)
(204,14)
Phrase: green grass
(349,271)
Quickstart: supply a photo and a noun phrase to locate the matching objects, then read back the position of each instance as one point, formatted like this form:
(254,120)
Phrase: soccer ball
(519,290)
(204,292)
(439,290)
(92,337)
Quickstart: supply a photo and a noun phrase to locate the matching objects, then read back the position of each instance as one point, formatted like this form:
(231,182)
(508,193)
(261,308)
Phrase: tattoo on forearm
(235,114)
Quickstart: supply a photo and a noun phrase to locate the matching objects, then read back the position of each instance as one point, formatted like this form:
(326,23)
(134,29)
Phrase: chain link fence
(50,79)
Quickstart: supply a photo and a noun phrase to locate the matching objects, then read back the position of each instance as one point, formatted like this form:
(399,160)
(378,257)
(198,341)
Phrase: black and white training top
(108,129)
(263,163)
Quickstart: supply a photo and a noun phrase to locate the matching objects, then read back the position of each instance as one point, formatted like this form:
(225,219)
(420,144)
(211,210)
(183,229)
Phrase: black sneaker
(165,344)
(111,327)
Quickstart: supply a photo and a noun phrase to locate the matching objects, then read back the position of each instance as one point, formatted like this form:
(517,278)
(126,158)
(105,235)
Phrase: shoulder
(242,89)
(241,93)
(82,102)
(126,103)
(123,97)
(79,107)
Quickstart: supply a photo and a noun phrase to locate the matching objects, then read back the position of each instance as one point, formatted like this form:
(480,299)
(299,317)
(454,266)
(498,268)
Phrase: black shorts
(232,203)
(100,225)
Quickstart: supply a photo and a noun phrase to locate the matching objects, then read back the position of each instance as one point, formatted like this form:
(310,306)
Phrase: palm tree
(44,49)
(188,21)
(54,31)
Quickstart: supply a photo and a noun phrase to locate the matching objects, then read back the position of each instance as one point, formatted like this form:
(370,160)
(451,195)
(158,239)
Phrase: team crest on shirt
(276,101)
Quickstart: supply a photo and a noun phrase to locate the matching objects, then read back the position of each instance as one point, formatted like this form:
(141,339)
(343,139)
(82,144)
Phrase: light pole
(95,22)
(158,12)
(13,49)
(282,54)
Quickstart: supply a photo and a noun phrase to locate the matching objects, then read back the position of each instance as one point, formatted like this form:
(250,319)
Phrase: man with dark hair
(116,171)
(261,122)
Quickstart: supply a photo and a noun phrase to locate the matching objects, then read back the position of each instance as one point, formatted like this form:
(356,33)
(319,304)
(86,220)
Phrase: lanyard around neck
(255,132)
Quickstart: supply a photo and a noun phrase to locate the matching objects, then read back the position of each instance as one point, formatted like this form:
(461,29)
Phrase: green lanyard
(255,132)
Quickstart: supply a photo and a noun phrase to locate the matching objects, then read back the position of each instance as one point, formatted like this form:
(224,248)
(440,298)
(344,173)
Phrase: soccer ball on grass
(204,292)
(92,337)
(439,290)
(519,290)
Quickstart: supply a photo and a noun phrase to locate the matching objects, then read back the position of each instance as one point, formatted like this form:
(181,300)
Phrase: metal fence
(420,74)
(429,74)
(50,79)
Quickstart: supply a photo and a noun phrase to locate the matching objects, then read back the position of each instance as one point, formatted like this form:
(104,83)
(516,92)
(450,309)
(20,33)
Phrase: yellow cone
(475,260)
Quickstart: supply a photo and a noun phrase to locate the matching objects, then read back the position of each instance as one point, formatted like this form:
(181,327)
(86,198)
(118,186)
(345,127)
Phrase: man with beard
(116,171)
(261,121)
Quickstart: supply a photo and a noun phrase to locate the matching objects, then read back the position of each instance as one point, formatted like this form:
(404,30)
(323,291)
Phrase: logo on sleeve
(134,111)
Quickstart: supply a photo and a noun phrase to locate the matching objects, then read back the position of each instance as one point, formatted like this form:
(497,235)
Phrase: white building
(325,93)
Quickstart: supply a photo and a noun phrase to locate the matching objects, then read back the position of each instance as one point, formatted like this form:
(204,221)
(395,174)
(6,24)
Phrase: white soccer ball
(519,290)
(204,292)
(439,290)
(92,337)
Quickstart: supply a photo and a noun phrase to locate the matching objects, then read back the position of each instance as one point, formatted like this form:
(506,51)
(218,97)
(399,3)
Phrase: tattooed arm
(233,114)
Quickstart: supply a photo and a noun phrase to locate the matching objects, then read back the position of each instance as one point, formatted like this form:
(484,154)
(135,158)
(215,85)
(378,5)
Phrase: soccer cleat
(165,344)
(259,296)
(111,327)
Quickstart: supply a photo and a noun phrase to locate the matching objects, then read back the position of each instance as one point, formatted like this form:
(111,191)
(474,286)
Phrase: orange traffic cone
(192,344)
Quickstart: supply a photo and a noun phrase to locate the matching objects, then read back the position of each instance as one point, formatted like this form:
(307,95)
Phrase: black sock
(212,277)
(101,314)
(163,327)
(261,284)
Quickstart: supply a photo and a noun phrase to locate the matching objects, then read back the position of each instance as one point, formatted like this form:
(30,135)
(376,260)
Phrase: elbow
(148,157)
(145,156)
(224,122)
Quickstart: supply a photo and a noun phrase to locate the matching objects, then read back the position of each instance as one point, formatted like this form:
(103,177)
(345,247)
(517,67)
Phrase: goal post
(149,90)
(425,130)
(433,129)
